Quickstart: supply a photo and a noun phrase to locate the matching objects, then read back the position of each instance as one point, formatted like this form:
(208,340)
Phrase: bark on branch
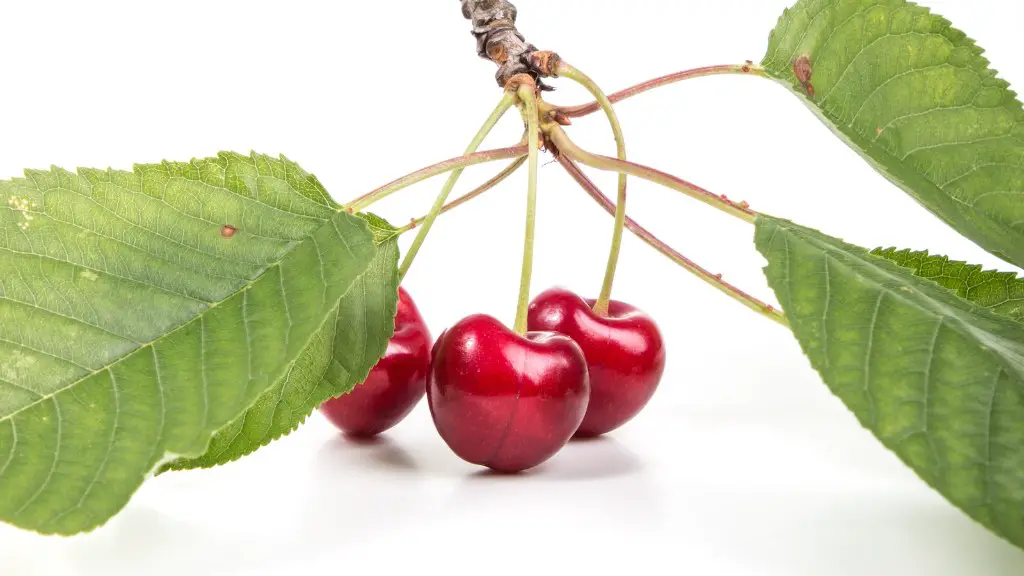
(498,40)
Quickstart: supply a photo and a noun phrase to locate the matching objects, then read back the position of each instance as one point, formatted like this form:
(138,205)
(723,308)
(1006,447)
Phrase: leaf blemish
(21,205)
(16,365)
(227,231)
(803,70)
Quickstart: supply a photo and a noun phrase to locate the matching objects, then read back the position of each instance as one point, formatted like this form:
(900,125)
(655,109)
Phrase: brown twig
(498,40)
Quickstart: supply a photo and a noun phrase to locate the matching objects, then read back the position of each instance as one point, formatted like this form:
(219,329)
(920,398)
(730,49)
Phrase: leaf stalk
(507,101)
(747,68)
(714,280)
(486,186)
(566,146)
(365,201)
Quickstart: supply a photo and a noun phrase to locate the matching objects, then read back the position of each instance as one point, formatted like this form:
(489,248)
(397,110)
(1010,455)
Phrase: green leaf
(917,99)
(142,311)
(381,229)
(1000,292)
(938,379)
(350,343)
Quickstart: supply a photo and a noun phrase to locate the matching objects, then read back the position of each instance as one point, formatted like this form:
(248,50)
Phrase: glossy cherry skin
(394,386)
(505,401)
(624,350)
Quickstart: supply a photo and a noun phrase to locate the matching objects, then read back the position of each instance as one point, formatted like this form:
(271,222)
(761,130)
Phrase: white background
(742,464)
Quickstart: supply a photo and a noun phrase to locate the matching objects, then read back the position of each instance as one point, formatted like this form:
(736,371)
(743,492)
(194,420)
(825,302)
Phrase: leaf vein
(106,456)
(164,289)
(58,421)
(14,448)
(869,357)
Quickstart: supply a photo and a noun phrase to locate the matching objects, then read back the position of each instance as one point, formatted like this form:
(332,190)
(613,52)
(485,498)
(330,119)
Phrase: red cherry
(624,351)
(505,401)
(394,386)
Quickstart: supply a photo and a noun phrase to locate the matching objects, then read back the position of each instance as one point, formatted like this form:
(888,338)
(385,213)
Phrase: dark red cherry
(505,401)
(624,350)
(395,385)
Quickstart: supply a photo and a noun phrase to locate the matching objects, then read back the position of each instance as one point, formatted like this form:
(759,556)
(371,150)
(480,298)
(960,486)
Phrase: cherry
(505,401)
(394,386)
(624,351)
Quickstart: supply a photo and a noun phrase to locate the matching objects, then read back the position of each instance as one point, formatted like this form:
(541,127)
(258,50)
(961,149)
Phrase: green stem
(366,200)
(714,280)
(586,109)
(507,101)
(566,146)
(498,179)
(526,94)
(564,69)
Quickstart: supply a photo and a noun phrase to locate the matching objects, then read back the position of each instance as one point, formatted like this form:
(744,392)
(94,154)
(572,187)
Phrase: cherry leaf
(143,311)
(937,378)
(917,99)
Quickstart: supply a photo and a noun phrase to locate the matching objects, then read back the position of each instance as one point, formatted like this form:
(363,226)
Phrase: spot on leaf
(228,231)
(803,70)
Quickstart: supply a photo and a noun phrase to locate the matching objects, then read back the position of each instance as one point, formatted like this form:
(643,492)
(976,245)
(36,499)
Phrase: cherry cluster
(510,398)
(507,401)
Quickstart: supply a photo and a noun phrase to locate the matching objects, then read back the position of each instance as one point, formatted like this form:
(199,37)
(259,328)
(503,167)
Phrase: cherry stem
(507,101)
(715,280)
(586,109)
(564,69)
(569,148)
(497,179)
(529,99)
(367,200)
